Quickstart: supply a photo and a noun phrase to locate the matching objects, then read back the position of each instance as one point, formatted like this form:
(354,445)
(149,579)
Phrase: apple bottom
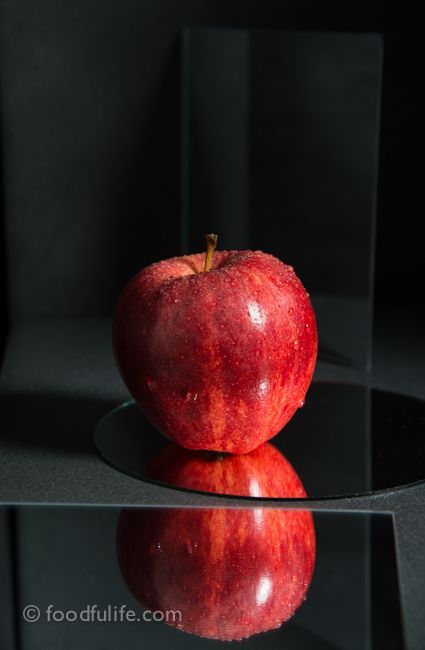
(231,573)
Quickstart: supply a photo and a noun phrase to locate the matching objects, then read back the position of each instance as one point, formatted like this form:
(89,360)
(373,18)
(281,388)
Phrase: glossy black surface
(345,440)
(66,558)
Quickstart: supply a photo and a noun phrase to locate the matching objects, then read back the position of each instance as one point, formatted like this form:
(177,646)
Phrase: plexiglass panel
(280,139)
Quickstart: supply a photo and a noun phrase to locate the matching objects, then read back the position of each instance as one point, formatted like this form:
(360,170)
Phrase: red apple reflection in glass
(231,573)
(218,350)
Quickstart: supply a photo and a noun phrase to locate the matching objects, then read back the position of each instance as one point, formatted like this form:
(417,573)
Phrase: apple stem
(211,244)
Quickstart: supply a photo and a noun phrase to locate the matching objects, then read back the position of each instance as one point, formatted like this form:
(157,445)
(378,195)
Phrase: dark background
(91,116)
(90,186)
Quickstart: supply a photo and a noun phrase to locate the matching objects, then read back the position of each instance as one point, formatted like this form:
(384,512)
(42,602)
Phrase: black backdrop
(91,116)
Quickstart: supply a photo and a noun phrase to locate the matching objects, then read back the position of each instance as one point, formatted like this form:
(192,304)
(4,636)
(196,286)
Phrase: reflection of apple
(230,572)
(217,360)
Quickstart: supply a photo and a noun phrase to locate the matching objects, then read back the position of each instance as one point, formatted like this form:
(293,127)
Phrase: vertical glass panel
(216,136)
(280,138)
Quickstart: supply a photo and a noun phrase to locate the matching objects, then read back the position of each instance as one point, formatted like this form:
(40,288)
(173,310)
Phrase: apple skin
(217,360)
(230,572)
(263,472)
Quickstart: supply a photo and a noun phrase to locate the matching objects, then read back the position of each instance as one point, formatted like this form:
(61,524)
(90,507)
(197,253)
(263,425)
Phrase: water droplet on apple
(301,404)
(296,344)
(263,387)
(155,548)
(192,546)
(191,397)
(290,311)
(307,325)
(151,384)
(257,314)
(177,300)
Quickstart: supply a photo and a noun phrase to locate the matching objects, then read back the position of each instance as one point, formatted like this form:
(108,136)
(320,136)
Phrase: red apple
(218,353)
(229,573)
